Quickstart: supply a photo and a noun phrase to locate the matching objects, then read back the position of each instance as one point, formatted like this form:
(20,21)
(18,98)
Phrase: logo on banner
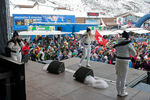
(119,20)
(92,14)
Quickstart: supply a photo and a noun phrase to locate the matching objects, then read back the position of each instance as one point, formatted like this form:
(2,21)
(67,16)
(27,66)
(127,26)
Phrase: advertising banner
(92,14)
(21,22)
(119,21)
(41,28)
(97,28)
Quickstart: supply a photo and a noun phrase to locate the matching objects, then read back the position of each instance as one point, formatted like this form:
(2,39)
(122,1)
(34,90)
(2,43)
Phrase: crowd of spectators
(65,47)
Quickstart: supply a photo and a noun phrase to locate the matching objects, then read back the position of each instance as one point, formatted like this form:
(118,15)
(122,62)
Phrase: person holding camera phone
(15,44)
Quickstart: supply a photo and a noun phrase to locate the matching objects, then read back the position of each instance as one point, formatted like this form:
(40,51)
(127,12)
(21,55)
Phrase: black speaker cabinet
(81,74)
(56,67)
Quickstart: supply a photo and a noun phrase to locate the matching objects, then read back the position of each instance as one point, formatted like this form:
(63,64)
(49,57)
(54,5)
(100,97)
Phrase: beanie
(15,34)
(125,34)
(88,29)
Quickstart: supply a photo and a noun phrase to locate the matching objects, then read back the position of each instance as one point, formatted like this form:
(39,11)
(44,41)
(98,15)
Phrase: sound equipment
(56,67)
(82,72)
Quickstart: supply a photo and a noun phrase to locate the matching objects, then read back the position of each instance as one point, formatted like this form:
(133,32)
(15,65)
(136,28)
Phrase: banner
(100,39)
(97,28)
(41,28)
(92,14)
(119,21)
(22,21)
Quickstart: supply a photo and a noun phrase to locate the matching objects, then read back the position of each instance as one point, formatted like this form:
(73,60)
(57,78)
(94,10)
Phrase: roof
(42,33)
(22,2)
(28,6)
(123,14)
(109,22)
(129,13)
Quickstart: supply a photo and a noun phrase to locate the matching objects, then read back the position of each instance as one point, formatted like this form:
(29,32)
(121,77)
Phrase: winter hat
(105,57)
(28,44)
(88,29)
(125,34)
(138,57)
(145,57)
(15,34)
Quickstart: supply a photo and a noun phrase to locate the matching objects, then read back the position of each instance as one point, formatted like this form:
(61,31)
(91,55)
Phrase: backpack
(8,50)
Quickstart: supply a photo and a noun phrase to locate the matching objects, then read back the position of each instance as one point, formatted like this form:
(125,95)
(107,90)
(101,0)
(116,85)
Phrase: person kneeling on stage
(15,44)
(86,40)
(124,48)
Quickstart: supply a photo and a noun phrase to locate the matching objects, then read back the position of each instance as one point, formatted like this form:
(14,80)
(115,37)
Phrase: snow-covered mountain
(108,7)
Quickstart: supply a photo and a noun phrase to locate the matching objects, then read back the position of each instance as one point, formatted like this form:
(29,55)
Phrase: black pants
(25,58)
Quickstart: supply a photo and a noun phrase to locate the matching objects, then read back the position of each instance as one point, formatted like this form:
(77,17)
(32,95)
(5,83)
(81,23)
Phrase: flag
(119,21)
(100,39)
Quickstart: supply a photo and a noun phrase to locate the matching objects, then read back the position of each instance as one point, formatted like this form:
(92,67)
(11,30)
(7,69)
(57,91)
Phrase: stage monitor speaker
(81,74)
(56,67)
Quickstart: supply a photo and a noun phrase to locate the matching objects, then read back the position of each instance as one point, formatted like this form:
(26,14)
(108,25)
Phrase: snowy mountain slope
(108,7)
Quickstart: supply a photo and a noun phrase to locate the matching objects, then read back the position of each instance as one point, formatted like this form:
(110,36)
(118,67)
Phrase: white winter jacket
(16,55)
(86,39)
(125,50)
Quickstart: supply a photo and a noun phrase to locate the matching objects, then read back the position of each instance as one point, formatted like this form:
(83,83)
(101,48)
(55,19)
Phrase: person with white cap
(86,40)
(138,63)
(15,44)
(124,48)
(146,64)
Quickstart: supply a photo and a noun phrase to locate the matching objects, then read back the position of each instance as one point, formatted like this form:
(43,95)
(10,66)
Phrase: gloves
(18,40)
(26,50)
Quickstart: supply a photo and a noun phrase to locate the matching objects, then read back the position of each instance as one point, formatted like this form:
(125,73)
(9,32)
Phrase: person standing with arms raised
(86,41)
(124,49)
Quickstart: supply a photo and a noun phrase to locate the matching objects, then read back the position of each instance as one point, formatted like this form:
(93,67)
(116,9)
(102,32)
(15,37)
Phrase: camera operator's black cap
(15,34)
(88,29)
(125,34)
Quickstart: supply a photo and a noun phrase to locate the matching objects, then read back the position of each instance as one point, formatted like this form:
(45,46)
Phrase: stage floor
(45,86)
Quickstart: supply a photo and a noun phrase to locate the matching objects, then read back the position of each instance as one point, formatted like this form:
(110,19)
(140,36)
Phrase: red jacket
(25,49)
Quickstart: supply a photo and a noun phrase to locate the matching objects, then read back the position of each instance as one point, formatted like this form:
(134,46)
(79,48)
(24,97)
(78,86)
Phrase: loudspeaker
(56,67)
(81,74)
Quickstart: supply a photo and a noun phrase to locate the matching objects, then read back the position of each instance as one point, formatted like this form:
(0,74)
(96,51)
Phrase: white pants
(16,57)
(86,53)
(121,72)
